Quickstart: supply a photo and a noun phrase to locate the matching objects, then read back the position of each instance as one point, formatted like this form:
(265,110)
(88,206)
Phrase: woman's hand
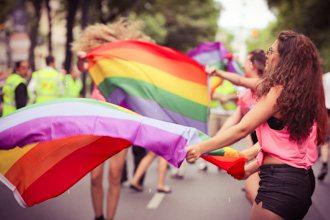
(212,71)
(193,153)
(250,169)
(82,66)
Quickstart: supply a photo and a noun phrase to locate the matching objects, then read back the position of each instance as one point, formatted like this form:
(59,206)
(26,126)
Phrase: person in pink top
(253,66)
(291,121)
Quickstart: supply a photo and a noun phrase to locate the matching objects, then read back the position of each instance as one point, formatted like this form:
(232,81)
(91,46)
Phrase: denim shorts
(286,190)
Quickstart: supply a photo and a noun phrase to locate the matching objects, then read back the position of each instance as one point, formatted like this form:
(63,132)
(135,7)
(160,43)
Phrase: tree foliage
(6,8)
(181,25)
(310,17)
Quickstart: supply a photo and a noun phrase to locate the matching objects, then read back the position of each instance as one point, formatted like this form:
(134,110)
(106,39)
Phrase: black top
(275,123)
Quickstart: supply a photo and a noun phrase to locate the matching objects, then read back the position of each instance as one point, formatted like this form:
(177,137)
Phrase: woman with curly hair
(291,120)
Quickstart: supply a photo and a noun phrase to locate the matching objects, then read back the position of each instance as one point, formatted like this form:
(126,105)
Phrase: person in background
(141,169)
(72,84)
(15,93)
(324,149)
(223,105)
(292,121)
(3,79)
(138,153)
(46,84)
(253,66)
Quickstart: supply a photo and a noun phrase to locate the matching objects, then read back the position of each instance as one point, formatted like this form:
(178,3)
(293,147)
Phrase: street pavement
(199,195)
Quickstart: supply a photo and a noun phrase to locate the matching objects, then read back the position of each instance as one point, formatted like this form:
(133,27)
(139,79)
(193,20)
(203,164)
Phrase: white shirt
(326,85)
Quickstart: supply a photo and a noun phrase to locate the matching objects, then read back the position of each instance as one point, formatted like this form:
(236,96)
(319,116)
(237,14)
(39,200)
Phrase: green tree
(310,17)
(181,25)
(7,7)
(35,15)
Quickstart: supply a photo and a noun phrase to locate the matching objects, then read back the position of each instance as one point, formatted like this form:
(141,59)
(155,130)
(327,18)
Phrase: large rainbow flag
(210,53)
(47,147)
(215,54)
(152,80)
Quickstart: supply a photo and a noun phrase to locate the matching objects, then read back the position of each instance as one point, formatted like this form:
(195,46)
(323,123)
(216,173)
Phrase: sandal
(164,190)
(136,188)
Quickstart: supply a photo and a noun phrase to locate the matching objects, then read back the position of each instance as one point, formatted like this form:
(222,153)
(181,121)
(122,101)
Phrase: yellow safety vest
(226,88)
(48,84)
(8,91)
(72,87)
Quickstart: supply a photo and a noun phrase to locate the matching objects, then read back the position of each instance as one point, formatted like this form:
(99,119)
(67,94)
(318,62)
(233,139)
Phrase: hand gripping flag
(47,147)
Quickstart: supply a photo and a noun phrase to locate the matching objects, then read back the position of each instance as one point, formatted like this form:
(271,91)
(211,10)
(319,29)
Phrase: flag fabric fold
(47,147)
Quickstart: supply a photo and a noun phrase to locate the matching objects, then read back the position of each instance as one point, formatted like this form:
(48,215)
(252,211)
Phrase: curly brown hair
(299,72)
(99,34)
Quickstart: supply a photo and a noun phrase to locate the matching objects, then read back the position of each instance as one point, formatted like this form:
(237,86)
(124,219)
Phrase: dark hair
(299,73)
(258,57)
(50,59)
(18,63)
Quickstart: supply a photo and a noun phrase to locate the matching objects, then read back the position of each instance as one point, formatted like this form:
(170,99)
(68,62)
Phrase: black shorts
(286,190)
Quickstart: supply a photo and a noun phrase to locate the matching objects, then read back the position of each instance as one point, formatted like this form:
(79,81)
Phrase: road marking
(155,201)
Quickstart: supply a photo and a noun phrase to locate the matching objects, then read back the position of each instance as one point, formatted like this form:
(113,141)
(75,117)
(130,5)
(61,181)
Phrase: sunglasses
(270,51)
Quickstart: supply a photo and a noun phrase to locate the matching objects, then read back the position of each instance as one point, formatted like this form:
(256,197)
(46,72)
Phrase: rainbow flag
(215,54)
(49,146)
(233,66)
(227,159)
(211,54)
(154,81)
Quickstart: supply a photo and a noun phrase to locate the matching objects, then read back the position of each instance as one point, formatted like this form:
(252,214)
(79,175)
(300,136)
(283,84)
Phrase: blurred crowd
(20,86)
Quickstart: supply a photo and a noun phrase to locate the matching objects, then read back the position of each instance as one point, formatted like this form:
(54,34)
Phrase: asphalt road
(200,195)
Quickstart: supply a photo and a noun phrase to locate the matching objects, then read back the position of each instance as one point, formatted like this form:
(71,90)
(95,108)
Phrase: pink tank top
(246,100)
(96,94)
(278,145)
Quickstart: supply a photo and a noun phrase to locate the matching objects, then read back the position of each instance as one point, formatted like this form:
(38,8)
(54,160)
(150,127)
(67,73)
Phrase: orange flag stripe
(182,69)
(42,157)
(54,181)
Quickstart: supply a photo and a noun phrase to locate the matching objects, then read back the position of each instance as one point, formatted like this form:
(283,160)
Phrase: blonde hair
(99,34)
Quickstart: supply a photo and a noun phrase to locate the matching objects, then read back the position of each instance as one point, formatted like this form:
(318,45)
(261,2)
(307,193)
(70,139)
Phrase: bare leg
(162,168)
(325,152)
(143,165)
(115,170)
(259,213)
(251,187)
(252,182)
(324,159)
(97,190)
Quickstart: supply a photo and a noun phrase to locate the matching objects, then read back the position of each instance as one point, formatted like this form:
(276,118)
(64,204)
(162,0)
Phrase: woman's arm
(234,78)
(250,169)
(256,116)
(251,152)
